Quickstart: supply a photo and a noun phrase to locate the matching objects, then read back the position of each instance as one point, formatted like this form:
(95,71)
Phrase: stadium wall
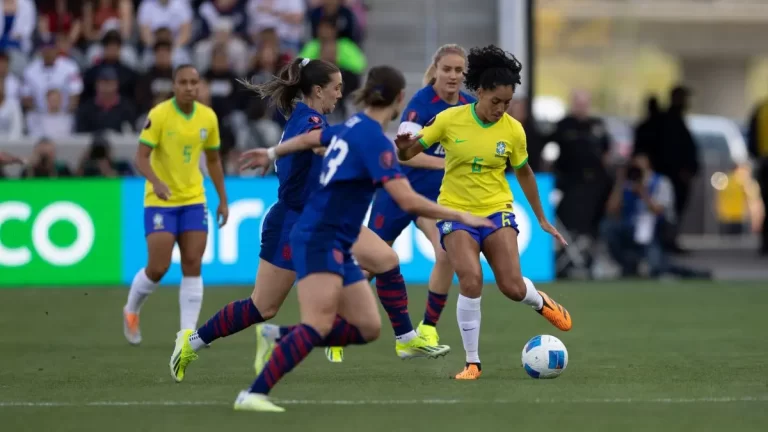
(90,232)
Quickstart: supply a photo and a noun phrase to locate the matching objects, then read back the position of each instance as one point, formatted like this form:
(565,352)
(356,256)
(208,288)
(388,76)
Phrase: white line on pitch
(725,399)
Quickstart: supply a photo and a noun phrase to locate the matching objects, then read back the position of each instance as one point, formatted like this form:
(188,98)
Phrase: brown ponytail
(382,86)
(298,76)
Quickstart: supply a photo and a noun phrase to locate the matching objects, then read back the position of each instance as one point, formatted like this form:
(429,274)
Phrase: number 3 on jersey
(334,159)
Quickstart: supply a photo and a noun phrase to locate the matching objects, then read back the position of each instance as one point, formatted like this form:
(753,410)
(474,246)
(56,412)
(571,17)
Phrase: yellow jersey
(177,140)
(476,156)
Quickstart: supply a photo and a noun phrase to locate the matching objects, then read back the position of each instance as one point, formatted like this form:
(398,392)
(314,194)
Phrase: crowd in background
(89,66)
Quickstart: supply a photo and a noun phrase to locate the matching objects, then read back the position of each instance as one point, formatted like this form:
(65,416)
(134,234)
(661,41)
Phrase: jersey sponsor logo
(413,116)
(203,134)
(387,159)
(338,256)
(432,120)
(501,148)
(287,253)
(148,124)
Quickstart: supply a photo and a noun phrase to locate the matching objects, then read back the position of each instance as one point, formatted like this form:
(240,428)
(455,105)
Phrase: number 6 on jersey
(335,159)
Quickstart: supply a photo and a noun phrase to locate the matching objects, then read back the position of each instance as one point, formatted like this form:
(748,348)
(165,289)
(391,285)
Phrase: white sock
(196,342)
(532,296)
(190,301)
(141,288)
(405,338)
(468,315)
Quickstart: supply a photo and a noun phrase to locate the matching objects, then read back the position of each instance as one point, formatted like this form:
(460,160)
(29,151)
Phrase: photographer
(43,162)
(98,162)
(640,212)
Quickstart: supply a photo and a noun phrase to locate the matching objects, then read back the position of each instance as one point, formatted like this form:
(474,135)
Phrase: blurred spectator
(112,40)
(580,170)
(640,211)
(758,148)
(107,111)
(51,71)
(285,16)
(179,55)
(334,10)
(59,17)
(234,47)
(18,19)
(648,132)
(157,82)
(11,81)
(677,153)
(56,121)
(262,131)
(268,59)
(174,15)
(738,196)
(211,11)
(43,162)
(112,48)
(100,16)
(518,109)
(222,83)
(98,161)
(11,117)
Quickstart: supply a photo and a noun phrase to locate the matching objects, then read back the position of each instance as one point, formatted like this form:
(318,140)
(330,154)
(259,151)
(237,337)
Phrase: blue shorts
(175,220)
(310,256)
(275,236)
(501,219)
(387,219)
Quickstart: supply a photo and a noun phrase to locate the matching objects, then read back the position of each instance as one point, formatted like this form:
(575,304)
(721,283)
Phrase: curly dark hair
(490,67)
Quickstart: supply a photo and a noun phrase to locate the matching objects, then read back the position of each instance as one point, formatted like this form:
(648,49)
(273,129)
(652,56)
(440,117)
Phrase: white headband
(305,62)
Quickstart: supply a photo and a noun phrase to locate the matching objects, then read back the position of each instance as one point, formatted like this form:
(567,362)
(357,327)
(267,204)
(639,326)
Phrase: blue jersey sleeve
(313,123)
(415,112)
(380,160)
(327,135)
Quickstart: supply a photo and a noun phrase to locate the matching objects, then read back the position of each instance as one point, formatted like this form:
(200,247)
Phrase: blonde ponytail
(429,75)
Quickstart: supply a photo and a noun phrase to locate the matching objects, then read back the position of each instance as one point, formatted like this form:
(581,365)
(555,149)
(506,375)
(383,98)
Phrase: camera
(634,173)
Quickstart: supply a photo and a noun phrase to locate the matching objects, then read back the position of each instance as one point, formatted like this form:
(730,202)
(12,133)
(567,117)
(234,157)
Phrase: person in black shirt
(112,43)
(107,111)
(157,82)
(342,15)
(223,84)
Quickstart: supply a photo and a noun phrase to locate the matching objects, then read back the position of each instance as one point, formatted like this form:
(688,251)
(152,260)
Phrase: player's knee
(156,271)
(386,261)
(512,286)
(371,329)
(191,265)
(471,283)
(323,324)
(267,309)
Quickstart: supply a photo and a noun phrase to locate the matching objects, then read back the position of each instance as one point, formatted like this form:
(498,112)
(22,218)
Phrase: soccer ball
(544,356)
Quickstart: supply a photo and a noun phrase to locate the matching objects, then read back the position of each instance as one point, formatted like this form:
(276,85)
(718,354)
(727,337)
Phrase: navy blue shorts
(175,220)
(311,256)
(387,219)
(275,236)
(501,219)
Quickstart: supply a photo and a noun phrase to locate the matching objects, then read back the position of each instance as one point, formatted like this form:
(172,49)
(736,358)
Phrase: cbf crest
(447,227)
(203,134)
(157,220)
(501,149)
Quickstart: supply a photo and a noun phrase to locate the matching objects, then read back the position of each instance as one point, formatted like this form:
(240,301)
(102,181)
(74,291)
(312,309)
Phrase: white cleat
(247,401)
(131,328)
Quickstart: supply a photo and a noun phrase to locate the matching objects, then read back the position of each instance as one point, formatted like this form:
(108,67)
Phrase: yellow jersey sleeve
(153,128)
(434,131)
(213,141)
(518,151)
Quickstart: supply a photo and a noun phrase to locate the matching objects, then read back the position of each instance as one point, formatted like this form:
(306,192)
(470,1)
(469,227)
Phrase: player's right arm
(384,169)
(148,141)
(408,145)
(262,158)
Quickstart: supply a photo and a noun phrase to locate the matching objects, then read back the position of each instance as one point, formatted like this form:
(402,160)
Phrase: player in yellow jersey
(177,132)
(479,139)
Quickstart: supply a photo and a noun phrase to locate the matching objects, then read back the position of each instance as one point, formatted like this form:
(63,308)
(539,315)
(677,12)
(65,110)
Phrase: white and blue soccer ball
(544,356)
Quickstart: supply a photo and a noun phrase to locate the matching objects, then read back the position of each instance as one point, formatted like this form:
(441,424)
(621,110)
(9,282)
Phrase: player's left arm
(518,158)
(262,158)
(215,170)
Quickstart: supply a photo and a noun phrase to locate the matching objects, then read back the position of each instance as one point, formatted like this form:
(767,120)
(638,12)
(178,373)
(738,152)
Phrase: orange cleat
(471,372)
(131,328)
(555,314)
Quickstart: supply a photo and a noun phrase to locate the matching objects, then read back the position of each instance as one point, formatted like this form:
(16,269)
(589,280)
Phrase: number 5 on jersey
(334,159)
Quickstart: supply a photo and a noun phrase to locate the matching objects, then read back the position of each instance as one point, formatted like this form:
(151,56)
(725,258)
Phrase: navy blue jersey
(359,159)
(424,106)
(298,172)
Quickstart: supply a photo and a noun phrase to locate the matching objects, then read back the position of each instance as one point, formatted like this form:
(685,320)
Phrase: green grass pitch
(643,357)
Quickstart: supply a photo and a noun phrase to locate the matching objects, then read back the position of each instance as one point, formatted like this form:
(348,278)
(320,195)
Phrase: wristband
(271,153)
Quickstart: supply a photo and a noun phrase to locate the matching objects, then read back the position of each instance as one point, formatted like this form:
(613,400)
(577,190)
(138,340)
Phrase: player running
(176,133)
(425,172)
(337,307)
(479,140)
(318,83)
